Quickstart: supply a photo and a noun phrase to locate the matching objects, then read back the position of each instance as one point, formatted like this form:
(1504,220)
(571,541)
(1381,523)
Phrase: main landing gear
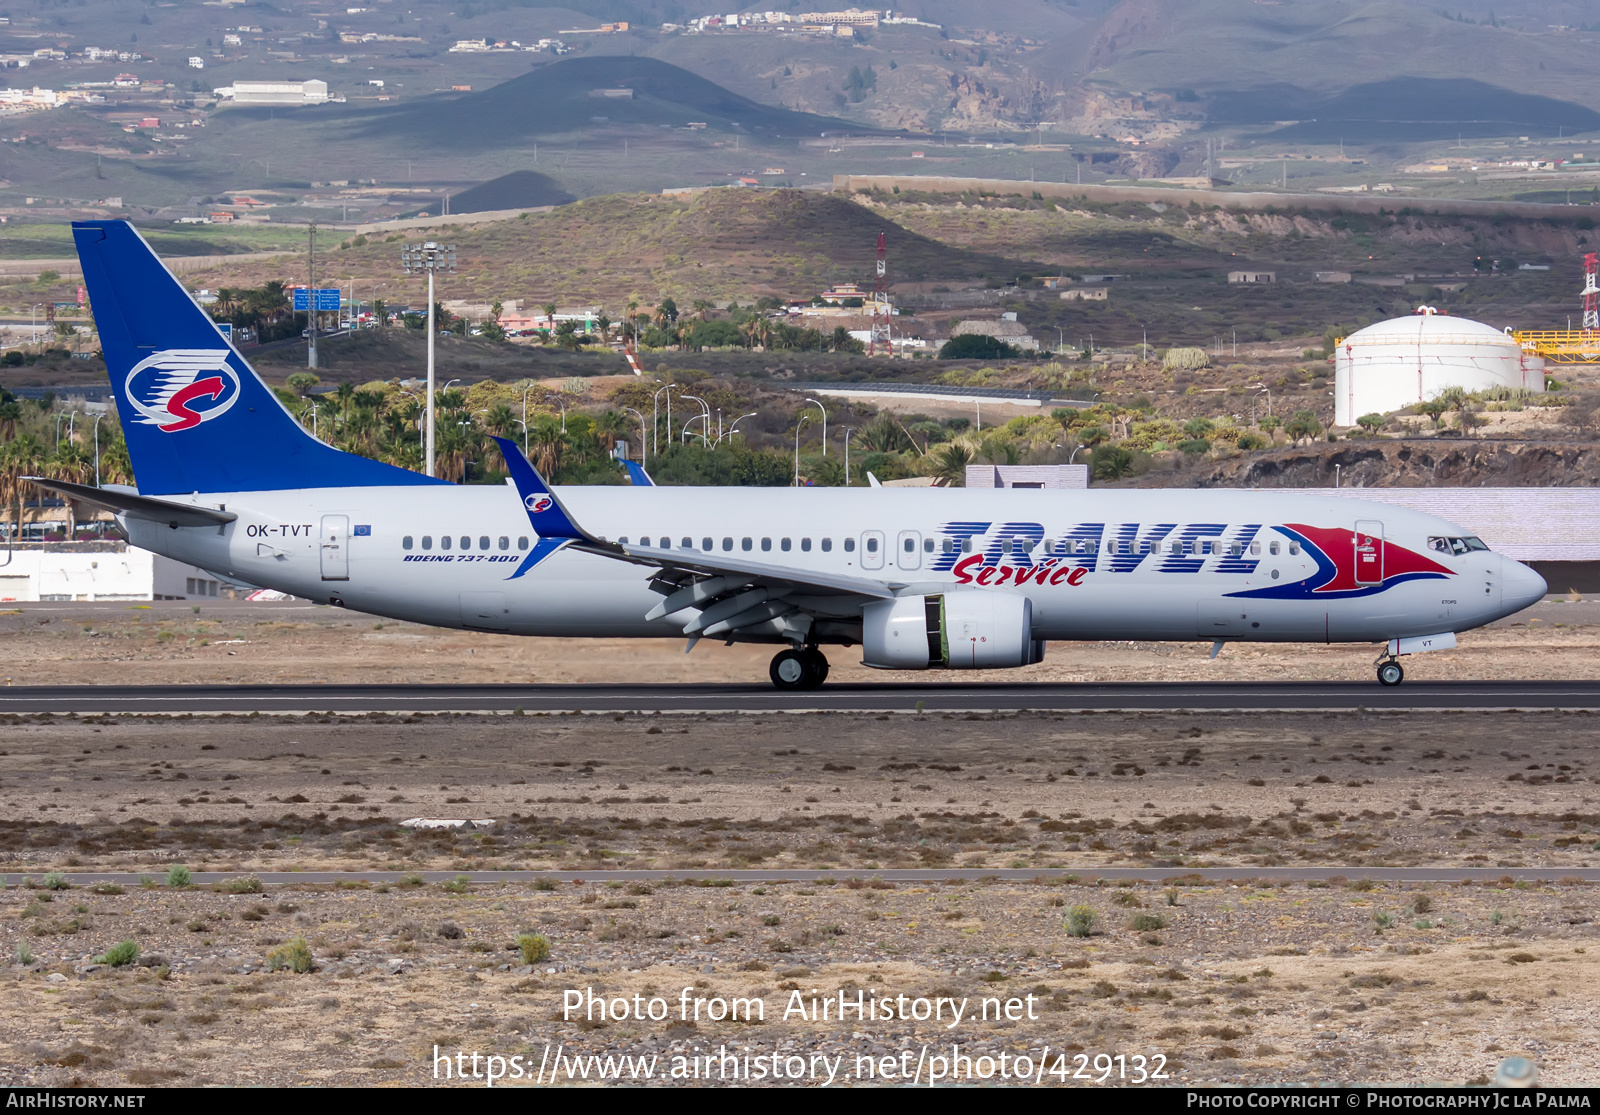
(1389,672)
(803,668)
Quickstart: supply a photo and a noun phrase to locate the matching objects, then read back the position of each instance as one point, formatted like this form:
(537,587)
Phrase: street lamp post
(705,408)
(314,422)
(655,419)
(824,411)
(848,430)
(563,406)
(734,427)
(429,257)
(804,418)
(642,435)
(97,449)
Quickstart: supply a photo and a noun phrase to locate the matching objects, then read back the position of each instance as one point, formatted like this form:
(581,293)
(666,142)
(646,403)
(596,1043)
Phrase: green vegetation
(120,955)
(244,884)
(1080,921)
(534,947)
(56,880)
(977,346)
(178,876)
(295,956)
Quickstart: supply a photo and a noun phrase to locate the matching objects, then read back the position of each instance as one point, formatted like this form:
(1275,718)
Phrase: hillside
(563,97)
(521,189)
(715,244)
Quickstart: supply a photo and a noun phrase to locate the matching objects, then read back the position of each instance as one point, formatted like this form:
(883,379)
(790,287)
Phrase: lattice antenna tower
(1591,293)
(880,303)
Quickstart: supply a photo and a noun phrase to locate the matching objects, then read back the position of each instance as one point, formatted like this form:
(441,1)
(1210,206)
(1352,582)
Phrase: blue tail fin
(197,418)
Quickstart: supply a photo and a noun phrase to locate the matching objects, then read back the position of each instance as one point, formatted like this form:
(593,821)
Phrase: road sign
(327,299)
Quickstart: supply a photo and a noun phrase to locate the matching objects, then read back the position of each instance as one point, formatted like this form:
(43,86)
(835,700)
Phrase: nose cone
(1520,586)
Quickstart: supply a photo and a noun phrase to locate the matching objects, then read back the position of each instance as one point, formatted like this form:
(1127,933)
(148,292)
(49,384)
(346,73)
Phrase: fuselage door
(908,551)
(335,547)
(1369,552)
(872,549)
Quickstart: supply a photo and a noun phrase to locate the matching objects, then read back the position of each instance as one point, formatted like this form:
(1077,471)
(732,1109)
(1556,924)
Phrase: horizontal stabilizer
(140,507)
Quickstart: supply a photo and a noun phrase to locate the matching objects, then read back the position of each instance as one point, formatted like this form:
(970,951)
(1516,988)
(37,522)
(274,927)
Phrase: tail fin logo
(537,503)
(179,388)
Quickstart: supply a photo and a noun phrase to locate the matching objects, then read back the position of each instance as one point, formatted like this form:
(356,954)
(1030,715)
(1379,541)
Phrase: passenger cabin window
(1255,549)
(466,542)
(745,544)
(427,541)
(623,541)
(688,544)
(727,543)
(483,542)
(827,544)
(872,545)
(1274,547)
(405,543)
(1294,547)
(966,545)
(1235,549)
(911,545)
(505,542)
(947,546)
(705,544)
(522,542)
(783,545)
(805,546)
(444,542)
(766,543)
(927,545)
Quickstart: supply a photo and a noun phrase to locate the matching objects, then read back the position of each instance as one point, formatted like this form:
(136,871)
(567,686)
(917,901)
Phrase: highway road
(934,697)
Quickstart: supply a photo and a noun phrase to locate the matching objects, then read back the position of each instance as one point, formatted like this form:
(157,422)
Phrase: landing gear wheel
(816,665)
(1390,673)
(790,670)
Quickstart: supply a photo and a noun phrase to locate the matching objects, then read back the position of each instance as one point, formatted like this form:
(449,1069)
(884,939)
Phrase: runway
(1435,696)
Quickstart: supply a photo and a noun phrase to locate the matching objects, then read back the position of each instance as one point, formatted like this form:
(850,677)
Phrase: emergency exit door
(1369,552)
(335,547)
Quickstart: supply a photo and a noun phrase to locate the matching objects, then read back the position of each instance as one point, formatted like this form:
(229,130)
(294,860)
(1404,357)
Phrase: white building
(119,573)
(1027,476)
(313,92)
(1408,360)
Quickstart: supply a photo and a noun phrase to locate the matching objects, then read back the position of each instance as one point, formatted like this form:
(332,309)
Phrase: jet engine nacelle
(963,630)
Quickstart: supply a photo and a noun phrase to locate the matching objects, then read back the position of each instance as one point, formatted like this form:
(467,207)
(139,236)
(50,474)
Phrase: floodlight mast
(429,256)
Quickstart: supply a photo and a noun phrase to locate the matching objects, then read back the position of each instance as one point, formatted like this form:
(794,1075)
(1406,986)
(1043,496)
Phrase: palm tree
(10,414)
(611,427)
(550,315)
(950,463)
(546,444)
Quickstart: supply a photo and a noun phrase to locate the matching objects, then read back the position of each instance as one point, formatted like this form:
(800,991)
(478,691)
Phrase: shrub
(1146,923)
(1194,448)
(56,880)
(1383,919)
(459,885)
(534,947)
(244,884)
(109,888)
(977,346)
(1184,358)
(24,953)
(410,879)
(1252,442)
(120,956)
(293,957)
(178,876)
(147,881)
(1080,921)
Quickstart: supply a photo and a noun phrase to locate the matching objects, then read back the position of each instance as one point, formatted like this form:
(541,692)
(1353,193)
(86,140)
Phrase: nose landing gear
(803,668)
(1389,672)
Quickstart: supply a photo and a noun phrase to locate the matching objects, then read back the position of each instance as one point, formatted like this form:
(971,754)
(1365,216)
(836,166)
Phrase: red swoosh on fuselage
(1339,546)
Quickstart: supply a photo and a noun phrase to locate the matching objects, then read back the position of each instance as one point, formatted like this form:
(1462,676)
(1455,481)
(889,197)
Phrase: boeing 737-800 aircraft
(919,579)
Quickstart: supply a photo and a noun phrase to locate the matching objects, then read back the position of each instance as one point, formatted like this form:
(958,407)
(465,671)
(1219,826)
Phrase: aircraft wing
(140,507)
(732,597)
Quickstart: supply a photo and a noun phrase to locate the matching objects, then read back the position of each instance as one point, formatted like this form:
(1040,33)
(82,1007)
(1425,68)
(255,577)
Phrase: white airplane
(919,579)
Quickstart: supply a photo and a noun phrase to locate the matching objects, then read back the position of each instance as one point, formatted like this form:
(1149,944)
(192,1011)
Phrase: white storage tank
(1408,360)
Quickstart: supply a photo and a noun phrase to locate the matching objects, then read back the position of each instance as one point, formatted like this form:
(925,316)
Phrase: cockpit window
(1456,546)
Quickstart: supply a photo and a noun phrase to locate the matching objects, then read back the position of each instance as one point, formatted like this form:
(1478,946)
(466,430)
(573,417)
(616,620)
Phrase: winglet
(637,475)
(545,512)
